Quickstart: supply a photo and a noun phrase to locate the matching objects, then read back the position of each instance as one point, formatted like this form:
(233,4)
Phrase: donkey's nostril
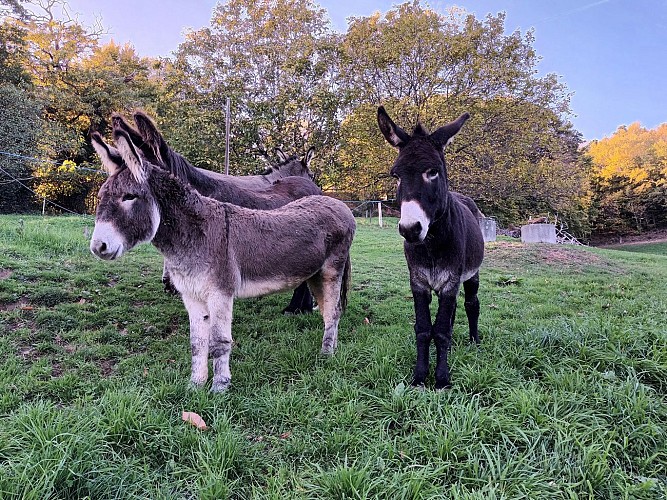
(412,232)
(102,247)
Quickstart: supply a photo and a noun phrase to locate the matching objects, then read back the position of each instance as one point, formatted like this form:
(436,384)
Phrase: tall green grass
(565,398)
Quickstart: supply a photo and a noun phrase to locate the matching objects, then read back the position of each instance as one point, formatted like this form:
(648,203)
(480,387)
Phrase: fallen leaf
(367,321)
(82,301)
(27,308)
(285,435)
(194,419)
(145,371)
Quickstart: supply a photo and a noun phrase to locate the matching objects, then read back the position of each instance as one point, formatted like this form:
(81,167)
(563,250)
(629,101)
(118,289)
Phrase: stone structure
(538,233)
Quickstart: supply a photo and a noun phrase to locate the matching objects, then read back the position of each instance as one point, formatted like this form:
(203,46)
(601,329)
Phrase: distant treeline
(295,83)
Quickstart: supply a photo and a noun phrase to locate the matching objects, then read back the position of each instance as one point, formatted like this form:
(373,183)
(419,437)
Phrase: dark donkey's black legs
(423,334)
(470,288)
(302,301)
(442,337)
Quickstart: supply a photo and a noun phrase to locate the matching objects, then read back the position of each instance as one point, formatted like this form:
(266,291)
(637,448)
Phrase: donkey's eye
(129,197)
(395,176)
(432,173)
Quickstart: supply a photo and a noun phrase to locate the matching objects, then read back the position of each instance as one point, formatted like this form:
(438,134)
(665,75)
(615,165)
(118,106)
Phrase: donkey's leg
(422,301)
(326,289)
(221,339)
(302,301)
(199,337)
(442,336)
(470,288)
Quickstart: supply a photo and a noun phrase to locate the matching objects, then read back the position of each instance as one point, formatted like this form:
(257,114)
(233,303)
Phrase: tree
(274,59)
(629,176)
(20,121)
(517,155)
(78,84)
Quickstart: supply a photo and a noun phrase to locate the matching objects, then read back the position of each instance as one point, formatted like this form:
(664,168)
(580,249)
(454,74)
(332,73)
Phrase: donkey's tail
(345,285)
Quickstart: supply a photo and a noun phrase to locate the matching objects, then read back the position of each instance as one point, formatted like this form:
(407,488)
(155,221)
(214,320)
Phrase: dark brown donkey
(257,191)
(216,252)
(443,244)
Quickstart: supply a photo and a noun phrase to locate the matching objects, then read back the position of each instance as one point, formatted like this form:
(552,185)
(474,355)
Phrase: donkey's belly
(258,288)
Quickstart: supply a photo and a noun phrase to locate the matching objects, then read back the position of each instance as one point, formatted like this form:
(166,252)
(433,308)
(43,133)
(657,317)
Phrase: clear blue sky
(611,53)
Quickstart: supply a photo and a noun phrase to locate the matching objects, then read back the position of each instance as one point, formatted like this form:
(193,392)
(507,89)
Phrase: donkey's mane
(288,160)
(273,168)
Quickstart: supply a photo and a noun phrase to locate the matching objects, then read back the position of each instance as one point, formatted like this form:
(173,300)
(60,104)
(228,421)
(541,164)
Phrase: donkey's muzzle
(102,250)
(411,232)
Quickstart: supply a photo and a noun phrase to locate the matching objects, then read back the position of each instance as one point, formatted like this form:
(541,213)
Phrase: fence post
(227,120)
(380,213)
(44,206)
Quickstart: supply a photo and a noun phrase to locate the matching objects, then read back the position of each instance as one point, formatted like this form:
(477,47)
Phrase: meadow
(565,398)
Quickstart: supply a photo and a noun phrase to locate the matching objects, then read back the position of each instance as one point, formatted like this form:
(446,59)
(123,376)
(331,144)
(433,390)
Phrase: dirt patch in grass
(56,369)
(67,347)
(28,353)
(511,255)
(107,367)
(13,306)
(5,273)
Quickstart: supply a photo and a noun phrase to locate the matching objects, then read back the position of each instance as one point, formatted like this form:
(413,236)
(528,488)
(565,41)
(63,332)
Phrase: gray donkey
(216,252)
(260,191)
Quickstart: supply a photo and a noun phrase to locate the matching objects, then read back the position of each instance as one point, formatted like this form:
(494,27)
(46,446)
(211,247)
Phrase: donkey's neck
(184,214)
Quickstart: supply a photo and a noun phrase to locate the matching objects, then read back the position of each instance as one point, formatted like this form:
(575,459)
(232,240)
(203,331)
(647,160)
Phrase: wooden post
(44,206)
(380,213)
(227,120)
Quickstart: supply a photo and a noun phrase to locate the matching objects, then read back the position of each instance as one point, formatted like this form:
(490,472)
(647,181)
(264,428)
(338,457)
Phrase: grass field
(566,398)
(657,248)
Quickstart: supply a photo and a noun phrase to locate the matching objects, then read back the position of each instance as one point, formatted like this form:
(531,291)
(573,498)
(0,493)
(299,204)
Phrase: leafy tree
(78,83)
(19,121)
(629,177)
(19,128)
(274,59)
(517,155)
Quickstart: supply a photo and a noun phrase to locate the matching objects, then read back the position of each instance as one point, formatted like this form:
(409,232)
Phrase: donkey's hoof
(196,385)
(328,350)
(441,386)
(221,386)
(288,311)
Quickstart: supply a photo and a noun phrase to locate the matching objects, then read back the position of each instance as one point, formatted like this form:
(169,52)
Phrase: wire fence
(22,181)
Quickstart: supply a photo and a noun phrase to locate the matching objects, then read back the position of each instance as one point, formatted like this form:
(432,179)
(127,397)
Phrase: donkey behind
(443,244)
(216,251)
(246,191)
(153,146)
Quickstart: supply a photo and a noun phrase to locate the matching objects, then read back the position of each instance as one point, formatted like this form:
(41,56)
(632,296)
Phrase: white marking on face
(107,243)
(411,213)
(430,175)
(155,220)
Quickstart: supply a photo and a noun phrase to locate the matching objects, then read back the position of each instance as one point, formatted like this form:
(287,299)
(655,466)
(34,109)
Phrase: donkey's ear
(308,157)
(130,155)
(446,133)
(119,123)
(151,136)
(282,157)
(394,134)
(111,160)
